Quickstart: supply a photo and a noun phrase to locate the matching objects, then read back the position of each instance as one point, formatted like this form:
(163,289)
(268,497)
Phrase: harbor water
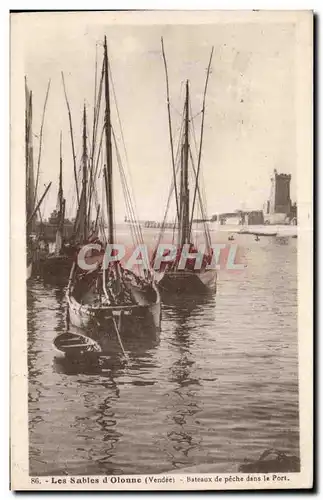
(217,385)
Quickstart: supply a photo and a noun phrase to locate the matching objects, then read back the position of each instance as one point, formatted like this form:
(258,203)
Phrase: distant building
(255,217)
(240,217)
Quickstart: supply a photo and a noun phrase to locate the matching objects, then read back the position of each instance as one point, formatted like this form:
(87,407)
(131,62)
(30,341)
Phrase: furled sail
(30,179)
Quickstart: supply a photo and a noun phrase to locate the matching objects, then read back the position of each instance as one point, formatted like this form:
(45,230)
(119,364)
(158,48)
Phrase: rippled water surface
(218,385)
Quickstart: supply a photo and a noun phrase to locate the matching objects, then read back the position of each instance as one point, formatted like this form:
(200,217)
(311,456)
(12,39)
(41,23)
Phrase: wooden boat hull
(188,282)
(127,318)
(102,322)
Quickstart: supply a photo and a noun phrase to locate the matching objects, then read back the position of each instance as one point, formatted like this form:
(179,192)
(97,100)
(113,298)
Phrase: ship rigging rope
(96,111)
(94,174)
(202,184)
(172,186)
(201,136)
(134,225)
(94,160)
(202,197)
(203,214)
(179,129)
(131,190)
(95,195)
(96,116)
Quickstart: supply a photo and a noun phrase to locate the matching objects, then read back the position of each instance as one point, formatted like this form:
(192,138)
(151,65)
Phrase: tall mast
(26,148)
(170,131)
(84,182)
(30,219)
(201,141)
(184,210)
(91,187)
(41,139)
(72,140)
(108,167)
(60,188)
(30,184)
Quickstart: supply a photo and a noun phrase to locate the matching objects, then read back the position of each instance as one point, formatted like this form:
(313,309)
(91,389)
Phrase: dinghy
(75,344)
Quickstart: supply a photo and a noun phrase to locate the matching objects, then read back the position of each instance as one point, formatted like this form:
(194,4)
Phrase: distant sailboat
(173,277)
(56,266)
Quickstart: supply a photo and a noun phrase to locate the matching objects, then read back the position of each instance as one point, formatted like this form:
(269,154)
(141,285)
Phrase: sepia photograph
(161,219)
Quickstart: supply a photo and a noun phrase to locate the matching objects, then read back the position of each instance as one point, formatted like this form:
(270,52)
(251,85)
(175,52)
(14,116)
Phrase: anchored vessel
(190,276)
(58,264)
(109,297)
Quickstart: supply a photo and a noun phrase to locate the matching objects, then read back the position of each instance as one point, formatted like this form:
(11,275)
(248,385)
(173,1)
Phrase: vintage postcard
(161,250)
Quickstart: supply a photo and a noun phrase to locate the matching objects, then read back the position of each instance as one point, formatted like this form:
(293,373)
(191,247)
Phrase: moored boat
(110,297)
(56,266)
(133,307)
(190,277)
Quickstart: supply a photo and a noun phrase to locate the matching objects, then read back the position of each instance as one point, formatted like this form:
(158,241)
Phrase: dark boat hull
(103,323)
(127,318)
(188,282)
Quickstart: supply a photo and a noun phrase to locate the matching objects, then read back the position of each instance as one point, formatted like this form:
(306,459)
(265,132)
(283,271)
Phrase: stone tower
(280,202)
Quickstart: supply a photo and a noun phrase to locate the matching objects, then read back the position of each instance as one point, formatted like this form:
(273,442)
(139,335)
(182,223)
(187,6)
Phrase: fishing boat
(32,205)
(109,297)
(174,277)
(57,265)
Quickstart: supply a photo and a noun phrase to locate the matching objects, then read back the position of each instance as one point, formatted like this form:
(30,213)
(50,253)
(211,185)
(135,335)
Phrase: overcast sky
(250,107)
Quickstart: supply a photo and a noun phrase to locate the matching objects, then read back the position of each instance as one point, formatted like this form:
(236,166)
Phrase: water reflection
(61,310)
(184,400)
(187,396)
(32,308)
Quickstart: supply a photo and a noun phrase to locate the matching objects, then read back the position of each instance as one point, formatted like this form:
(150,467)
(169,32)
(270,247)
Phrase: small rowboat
(75,344)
